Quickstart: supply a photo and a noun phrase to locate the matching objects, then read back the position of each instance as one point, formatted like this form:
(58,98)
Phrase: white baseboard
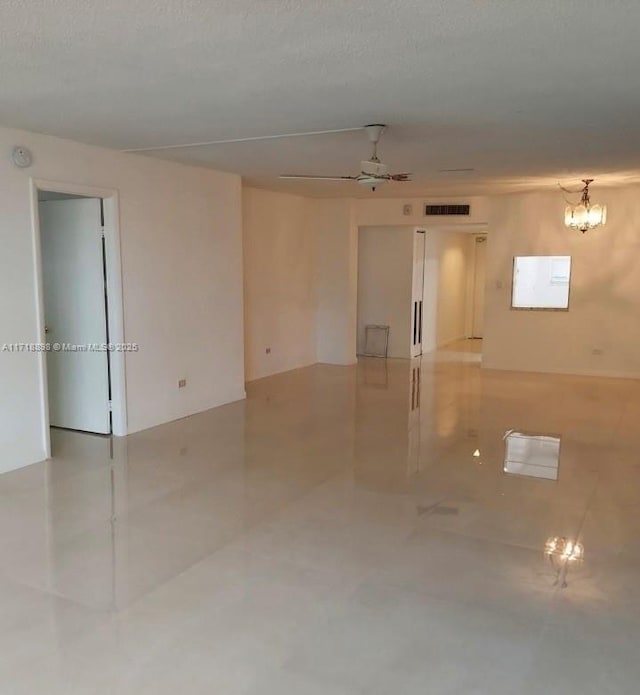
(597,373)
(448,341)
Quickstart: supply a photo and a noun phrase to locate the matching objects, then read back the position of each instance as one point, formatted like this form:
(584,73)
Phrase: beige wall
(302,273)
(599,334)
(389,211)
(385,262)
(604,311)
(300,279)
(336,280)
(299,282)
(453,253)
(279,282)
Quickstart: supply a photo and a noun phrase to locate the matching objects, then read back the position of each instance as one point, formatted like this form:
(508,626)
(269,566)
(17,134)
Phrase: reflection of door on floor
(480,250)
(75,301)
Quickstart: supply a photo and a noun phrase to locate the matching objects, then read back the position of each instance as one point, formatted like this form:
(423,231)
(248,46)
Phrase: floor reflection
(346,529)
(533,455)
(563,553)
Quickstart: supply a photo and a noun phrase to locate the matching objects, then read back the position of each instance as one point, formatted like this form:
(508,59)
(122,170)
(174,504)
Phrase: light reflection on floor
(333,534)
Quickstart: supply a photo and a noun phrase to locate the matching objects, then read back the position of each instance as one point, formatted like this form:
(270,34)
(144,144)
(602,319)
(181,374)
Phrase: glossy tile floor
(344,531)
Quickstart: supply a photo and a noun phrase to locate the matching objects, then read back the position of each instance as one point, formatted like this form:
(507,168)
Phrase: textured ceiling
(527,93)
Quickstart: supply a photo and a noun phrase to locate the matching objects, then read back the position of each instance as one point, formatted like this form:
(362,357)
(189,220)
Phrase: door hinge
(102,231)
(110,406)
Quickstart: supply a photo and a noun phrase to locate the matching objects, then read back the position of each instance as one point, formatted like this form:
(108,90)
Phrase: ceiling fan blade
(400,177)
(317,178)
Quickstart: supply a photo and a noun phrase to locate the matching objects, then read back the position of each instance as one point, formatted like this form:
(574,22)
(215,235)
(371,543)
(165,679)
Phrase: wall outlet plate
(407,209)
(182,383)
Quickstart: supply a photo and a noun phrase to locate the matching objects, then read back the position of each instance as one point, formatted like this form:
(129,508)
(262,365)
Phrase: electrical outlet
(597,351)
(407,209)
(268,351)
(182,383)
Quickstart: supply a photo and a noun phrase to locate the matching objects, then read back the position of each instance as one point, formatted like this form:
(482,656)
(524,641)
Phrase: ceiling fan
(373,172)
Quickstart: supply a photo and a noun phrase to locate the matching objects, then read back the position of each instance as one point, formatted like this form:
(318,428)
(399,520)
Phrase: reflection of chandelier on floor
(585,216)
(561,553)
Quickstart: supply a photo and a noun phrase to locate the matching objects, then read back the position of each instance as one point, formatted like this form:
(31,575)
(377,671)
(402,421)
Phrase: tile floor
(333,535)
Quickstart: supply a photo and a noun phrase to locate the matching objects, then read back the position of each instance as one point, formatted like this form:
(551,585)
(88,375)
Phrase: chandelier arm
(566,190)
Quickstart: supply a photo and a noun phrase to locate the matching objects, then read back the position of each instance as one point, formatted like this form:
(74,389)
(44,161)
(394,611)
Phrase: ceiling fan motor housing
(372,168)
(371,182)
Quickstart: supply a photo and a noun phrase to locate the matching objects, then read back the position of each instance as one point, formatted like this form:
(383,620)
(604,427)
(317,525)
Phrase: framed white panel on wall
(541,282)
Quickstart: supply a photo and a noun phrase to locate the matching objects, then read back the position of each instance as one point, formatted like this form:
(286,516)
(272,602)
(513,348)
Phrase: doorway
(75,312)
(80,310)
(479,264)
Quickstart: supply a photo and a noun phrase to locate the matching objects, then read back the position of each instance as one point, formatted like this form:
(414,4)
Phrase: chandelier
(585,216)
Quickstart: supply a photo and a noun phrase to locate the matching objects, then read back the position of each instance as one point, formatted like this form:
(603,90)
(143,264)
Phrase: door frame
(478,239)
(115,310)
(417,305)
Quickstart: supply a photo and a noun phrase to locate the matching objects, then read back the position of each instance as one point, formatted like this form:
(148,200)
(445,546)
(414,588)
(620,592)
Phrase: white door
(478,286)
(417,293)
(75,313)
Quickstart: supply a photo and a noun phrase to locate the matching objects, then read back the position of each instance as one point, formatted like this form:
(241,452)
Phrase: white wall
(337,280)
(182,282)
(385,265)
(279,282)
(604,304)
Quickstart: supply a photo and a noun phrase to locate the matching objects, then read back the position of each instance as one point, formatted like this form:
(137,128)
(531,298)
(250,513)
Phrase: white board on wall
(541,282)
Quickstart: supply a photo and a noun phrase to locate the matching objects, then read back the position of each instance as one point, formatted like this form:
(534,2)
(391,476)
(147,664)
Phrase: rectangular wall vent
(438,210)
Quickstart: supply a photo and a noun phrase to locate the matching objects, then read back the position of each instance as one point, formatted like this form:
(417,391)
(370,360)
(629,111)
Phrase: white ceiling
(527,92)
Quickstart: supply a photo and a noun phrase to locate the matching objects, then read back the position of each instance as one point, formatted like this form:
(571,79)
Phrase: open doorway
(75,301)
(424,287)
(80,302)
(389,290)
(477,303)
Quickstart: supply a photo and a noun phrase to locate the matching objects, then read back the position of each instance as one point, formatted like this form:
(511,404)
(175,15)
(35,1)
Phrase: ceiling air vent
(439,210)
